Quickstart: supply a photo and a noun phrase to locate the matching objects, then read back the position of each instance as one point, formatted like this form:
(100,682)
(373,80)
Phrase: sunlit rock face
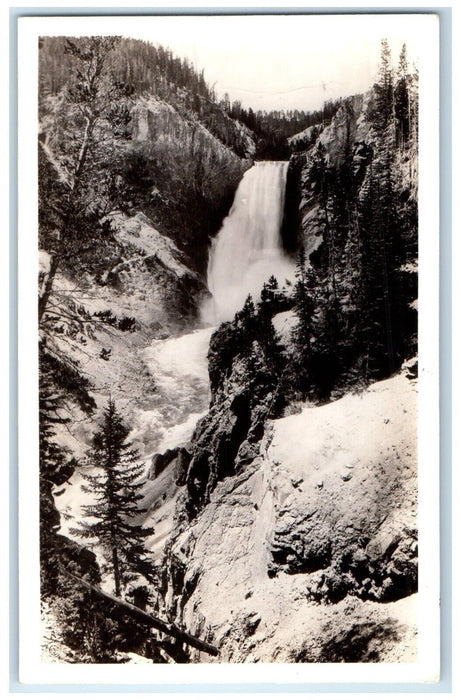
(323,513)
(293,534)
(156,120)
(323,147)
(194,172)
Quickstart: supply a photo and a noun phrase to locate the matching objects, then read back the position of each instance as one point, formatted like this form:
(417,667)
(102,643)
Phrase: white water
(246,252)
(179,367)
(248,248)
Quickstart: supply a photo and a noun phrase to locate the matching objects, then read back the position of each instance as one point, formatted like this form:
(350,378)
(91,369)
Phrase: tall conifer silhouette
(111,522)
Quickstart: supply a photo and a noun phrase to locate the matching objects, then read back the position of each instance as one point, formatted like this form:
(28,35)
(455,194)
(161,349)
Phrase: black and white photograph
(229,238)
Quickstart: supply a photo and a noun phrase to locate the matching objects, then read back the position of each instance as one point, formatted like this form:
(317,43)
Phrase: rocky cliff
(349,137)
(132,259)
(308,552)
(295,536)
(189,174)
(284,513)
(135,270)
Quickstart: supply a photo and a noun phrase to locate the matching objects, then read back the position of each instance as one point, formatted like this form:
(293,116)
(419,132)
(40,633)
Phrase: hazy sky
(276,62)
(286,62)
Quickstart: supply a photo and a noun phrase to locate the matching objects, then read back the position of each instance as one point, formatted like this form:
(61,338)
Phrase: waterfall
(248,248)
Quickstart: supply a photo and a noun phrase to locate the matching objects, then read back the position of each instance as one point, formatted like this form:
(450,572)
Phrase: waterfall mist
(248,248)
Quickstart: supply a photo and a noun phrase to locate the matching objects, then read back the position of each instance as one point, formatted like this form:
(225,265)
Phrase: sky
(287,62)
(275,62)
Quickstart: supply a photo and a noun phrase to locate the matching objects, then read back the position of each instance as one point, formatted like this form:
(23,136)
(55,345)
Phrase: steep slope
(133,270)
(145,291)
(313,516)
(348,136)
(309,545)
(181,175)
(276,506)
(132,185)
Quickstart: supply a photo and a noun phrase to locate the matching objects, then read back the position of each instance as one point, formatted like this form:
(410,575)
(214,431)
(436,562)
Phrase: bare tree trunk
(165,627)
(48,287)
(115,564)
(90,123)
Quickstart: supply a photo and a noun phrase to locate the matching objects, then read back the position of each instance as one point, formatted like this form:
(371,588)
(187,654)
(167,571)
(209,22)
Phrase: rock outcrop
(153,277)
(315,151)
(155,120)
(227,439)
(279,538)
(190,175)
(296,552)
(349,135)
(172,183)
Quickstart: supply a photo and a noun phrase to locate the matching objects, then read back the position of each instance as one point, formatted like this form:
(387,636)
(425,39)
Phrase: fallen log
(166,627)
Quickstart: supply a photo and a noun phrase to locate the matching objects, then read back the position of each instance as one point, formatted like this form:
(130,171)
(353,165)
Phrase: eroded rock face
(317,151)
(160,462)
(347,508)
(228,437)
(338,136)
(154,277)
(155,119)
(299,548)
(193,172)
(226,440)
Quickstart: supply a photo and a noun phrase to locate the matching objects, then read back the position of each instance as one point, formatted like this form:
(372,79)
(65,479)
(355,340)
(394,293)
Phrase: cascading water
(246,252)
(248,248)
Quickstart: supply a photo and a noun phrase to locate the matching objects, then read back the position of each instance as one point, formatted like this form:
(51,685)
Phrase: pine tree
(383,109)
(304,301)
(271,299)
(56,467)
(381,245)
(111,521)
(304,308)
(92,106)
(402,101)
(246,324)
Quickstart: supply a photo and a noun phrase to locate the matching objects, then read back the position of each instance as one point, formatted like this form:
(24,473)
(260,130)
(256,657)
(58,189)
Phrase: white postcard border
(31,669)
